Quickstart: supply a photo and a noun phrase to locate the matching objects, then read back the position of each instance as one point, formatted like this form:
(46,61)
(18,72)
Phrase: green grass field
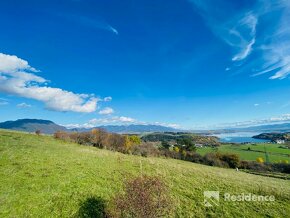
(275,153)
(43,177)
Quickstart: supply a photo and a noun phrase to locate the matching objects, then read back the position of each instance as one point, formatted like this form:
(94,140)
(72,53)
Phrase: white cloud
(11,63)
(106,111)
(125,119)
(256,105)
(23,105)
(90,22)
(285,118)
(109,98)
(237,30)
(237,27)
(2,103)
(104,121)
(172,125)
(244,33)
(117,120)
(274,46)
(16,78)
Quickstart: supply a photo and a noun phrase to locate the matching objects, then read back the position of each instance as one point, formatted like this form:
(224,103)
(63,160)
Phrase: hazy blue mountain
(49,127)
(31,125)
(137,128)
(281,127)
(131,128)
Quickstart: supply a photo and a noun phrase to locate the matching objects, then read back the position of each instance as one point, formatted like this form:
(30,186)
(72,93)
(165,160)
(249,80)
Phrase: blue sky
(187,63)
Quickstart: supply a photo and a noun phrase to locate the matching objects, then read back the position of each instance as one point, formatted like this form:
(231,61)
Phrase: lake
(239,137)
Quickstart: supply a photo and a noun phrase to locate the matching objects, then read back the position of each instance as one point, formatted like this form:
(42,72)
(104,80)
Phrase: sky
(191,64)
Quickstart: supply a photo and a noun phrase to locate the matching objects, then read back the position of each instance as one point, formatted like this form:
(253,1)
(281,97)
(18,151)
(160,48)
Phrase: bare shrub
(143,196)
(145,149)
(61,135)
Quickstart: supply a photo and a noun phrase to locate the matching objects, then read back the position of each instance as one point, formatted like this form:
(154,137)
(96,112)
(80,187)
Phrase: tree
(135,140)
(188,143)
(165,144)
(233,160)
(260,160)
(127,143)
(99,138)
(38,132)
(176,149)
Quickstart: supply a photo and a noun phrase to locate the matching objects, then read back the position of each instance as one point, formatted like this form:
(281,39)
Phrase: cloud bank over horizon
(118,120)
(284,118)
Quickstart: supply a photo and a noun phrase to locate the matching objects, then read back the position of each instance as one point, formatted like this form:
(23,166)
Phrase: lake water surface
(239,137)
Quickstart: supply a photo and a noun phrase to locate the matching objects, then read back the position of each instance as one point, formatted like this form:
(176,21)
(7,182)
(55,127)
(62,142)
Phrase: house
(279,141)
(199,145)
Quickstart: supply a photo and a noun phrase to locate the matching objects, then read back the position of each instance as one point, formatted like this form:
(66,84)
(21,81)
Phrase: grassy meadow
(275,153)
(44,177)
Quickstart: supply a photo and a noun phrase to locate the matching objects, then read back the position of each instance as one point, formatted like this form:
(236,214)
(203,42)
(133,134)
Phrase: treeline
(184,149)
(174,137)
(273,136)
(101,139)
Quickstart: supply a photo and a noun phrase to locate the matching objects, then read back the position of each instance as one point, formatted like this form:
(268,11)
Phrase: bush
(232,160)
(143,196)
(260,160)
(194,157)
(253,165)
(281,167)
(145,149)
(61,135)
(213,159)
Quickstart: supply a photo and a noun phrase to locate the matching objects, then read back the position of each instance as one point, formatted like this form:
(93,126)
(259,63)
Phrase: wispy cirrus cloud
(270,46)
(241,35)
(238,31)
(274,45)
(18,78)
(24,105)
(96,23)
(3,102)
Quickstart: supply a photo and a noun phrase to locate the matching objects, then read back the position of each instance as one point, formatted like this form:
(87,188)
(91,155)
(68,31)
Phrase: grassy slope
(42,177)
(276,154)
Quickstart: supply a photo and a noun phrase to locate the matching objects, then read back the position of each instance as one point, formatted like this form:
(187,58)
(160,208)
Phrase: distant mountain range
(267,128)
(281,127)
(138,128)
(31,125)
(49,127)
